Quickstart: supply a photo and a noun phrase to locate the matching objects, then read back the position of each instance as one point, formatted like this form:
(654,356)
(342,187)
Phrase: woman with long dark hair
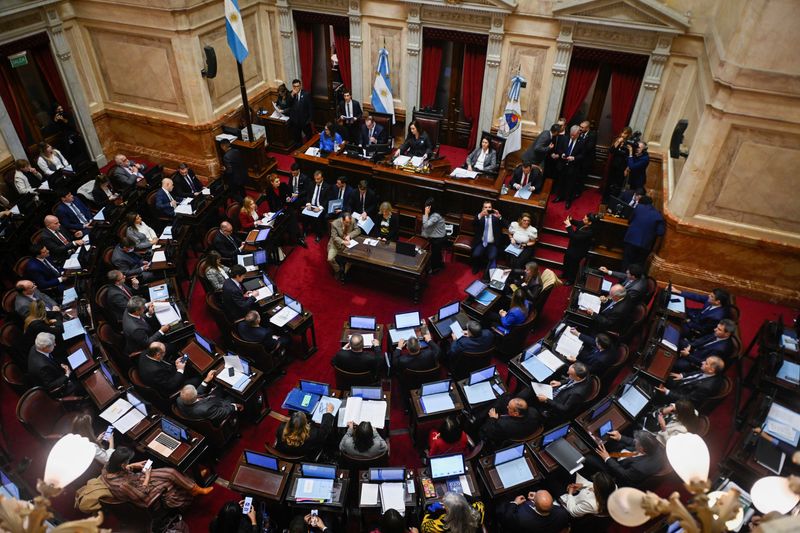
(617,163)
(435,230)
(581,234)
(362,441)
(417,143)
(585,498)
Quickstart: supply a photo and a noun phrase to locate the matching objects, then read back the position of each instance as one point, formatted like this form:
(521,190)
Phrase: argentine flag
(235,30)
(511,121)
(382,90)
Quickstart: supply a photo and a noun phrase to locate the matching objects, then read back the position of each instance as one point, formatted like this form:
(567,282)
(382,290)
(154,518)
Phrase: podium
(279,134)
(259,165)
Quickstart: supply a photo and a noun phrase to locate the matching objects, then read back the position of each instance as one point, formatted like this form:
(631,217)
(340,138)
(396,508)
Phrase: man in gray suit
(544,143)
(27,292)
(210,407)
(126,173)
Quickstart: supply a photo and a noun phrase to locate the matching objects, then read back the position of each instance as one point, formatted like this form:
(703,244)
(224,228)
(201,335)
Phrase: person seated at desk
(633,280)
(125,173)
(127,261)
(615,310)
(415,357)
(453,515)
(363,200)
(372,132)
(316,200)
(60,243)
(28,292)
(483,158)
(341,191)
(249,214)
(362,441)
(695,386)
(719,343)
(36,321)
(102,192)
(597,353)
(529,280)
(73,213)
(216,273)
(57,378)
(128,482)
(140,234)
(645,461)
(167,378)
(350,113)
(508,419)
(527,175)
(476,339)
(307,523)
(236,301)
(393,522)
(581,234)
(534,513)
(590,498)
(517,314)
(186,183)
(42,271)
(523,236)
(488,237)
(677,418)
(26,178)
(329,139)
(210,407)
(353,358)
(417,143)
(225,243)
(250,329)
(298,437)
(569,394)
(388,223)
(701,322)
(343,231)
(230,518)
(82,426)
(165,201)
(139,327)
(448,438)
(118,293)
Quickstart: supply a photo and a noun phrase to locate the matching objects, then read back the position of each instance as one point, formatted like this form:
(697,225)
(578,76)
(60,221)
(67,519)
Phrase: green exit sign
(18,60)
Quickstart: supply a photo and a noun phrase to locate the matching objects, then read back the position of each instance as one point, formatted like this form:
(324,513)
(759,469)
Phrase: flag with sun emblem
(511,121)
(382,100)
(235,30)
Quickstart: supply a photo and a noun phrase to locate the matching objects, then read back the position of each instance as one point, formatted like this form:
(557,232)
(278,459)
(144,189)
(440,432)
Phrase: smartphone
(108,433)
(248,503)
(231,371)
(605,428)
(147,466)
(314,512)
(185,357)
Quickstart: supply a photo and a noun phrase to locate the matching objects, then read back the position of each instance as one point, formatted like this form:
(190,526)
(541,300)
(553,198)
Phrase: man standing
(316,201)
(488,237)
(234,170)
(543,145)
(343,230)
(638,160)
(349,111)
(646,224)
(571,154)
(589,138)
(300,112)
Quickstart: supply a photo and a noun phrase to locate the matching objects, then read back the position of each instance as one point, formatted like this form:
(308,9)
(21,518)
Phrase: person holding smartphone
(232,519)
(82,425)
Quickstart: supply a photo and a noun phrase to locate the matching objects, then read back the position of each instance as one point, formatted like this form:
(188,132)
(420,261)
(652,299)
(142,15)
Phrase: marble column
(9,134)
(650,83)
(414,60)
(491,71)
(560,68)
(69,73)
(289,48)
(356,52)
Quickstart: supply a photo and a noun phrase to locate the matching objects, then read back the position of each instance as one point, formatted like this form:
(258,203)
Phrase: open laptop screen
(259,459)
(362,322)
(449,310)
(319,471)
(633,401)
(447,466)
(475,288)
(509,454)
(407,320)
(436,387)
(555,435)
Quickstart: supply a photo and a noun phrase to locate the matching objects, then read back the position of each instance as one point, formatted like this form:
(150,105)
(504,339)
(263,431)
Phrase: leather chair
(535,433)
(114,344)
(429,122)
(610,373)
(471,361)
(218,436)
(594,392)
(385,120)
(149,394)
(541,300)
(734,313)
(44,416)
(711,402)
(511,344)
(232,214)
(20,266)
(15,377)
(272,450)
(37,235)
(11,343)
(345,379)
(225,326)
(417,239)
(703,426)
(496,143)
(9,297)
(208,238)
(200,275)
(268,361)
(106,255)
(411,379)
(163,221)
(652,287)
(462,245)
(351,462)
(130,518)
(632,334)
(101,302)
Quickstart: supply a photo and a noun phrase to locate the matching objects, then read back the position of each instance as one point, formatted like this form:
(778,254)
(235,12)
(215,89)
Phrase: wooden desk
(656,361)
(371,513)
(546,460)
(199,358)
(461,318)
(301,325)
(477,310)
(491,480)
(262,482)
(253,396)
(378,333)
(512,207)
(419,417)
(184,456)
(338,503)
(279,134)
(496,380)
(383,259)
(101,391)
(441,486)
(620,420)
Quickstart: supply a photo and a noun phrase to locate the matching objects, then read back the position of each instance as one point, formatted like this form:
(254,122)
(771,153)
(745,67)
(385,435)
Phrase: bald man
(615,311)
(27,292)
(508,419)
(60,243)
(534,513)
(226,243)
(165,201)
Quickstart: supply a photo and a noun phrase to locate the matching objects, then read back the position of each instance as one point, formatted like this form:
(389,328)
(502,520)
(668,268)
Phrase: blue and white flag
(382,100)
(511,121)
(235,30)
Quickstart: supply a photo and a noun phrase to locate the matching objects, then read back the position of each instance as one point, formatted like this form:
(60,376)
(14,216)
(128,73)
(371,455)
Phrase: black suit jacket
(99,197)
(498,430)
(580,238)
(589,147)
(234,304)
(535,179)
(424,360)
(616,318)
(208,407)
(497,231)
(300,111)
(697,391)
(182,187)
(139,332)
(524,517)
(225,247)
(313,444)
(394,226)
(44,276)
(634,471)
(117,300)
(537,152)
(370,204)
(277,199)
(45,370)
(324,194)
(566,403)
(235,167)
(357,113)
(259,334)
(368,360)
(59,252)
(471,344)
(378,132)
(303,183)
(578,152)
(160,375)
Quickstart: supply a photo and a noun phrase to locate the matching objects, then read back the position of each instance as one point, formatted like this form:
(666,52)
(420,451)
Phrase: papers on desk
(782,423)
(166,235)
(15,210)
(369,493)
(128,421)
(44,186)
(462,479)
(393,497)
(70,295)
(418,161)
(73,328)
(455,329)
(514,472)
(283,317)
(464,173)
(100,216)
(263,292)
(322,407)
(279,116)
(360,410)
(225,136)
(789,342)
(513,249)
(351,244)
(542,389)
(116,410)
(433,403)
(371,242)
(366,224)
(401,160)
(238,380)
(589,301)
(184,209)
(159,257)
(524,193)
(677,304)
(309,212)
(313,151)
(548,358)
(313,489)
(396,335)
(790,372)
(499,274)
(479,393)
(72,263)
(368,338)
(167,313)
(542,365)
(205,191)
(569,345)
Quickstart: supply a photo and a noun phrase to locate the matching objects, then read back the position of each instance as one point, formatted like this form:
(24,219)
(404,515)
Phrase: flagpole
(246,109)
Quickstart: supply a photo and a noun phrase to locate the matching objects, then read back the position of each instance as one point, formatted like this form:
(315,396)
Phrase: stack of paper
(368,338)
(309,211)
(122,415)
(418,161)
(513,249)
(352,243)
(159,257)
(44,186)
(401,160)
(322,407)
(206,191)
(398,335)
(524,193)
(480,392)
(569,345)
(783,423)
(677,304)
(313,151)
(263,292)
(166,235)
(15,210)
(100,216)
(499,274)
(542,389)
(166,313)
(360,410)
(225,137)
(183,209)
(589,301)
(459,172)
(72,263)
(393,497)
(313,489)
(284,316)
(369,493)
(371,242)
(366,224)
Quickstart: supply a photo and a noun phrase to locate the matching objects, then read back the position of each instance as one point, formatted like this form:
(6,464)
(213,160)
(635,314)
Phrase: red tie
(524,180)
(125,290)
(61,237)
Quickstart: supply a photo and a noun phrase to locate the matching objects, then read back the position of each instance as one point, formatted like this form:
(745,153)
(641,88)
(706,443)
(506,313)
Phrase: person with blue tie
(488,237)
(702,321)
(73,213)
(165,201)
(45,274)
(718,343)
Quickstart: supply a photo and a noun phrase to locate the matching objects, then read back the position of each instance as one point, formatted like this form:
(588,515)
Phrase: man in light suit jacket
(645,225)
(27,292)
(488,239)
(126,173)
(633,279)
(571,153)
(343,230)
(140,327)
(118,293)
(236,301)
(372,132)
(165,201)
(73,213)
(542,146)
(213,408)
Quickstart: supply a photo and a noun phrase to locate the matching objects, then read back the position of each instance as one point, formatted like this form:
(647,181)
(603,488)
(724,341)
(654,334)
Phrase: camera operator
(638,159)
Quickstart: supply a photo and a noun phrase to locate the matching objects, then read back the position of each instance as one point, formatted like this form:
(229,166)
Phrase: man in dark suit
(529,175)
(43,272)
(236,301)
(363,200)
(701,322)
(694,386)
(638,159)
(632,197)
(73,213)
(316,200)
(614,312)
(298,183)
(632,471)
(597,353)
(353,358)
(125,173)
(213,408)
(186,183)
(372,132)
(534,513)
(508,419)
(718,342)
(250,329)
(46,371)
(542,146)
(488,237)
(570,166)
(60,243)
(27,292)
(633,279)
(165,201)
(119,293)
(589,138)
(127,261)
(341,191)
(226,243)
(300,112)
(141,328)
(569,394)
(645,225)
(415,356)
(164,377)
(234,170)
(349,112)
(475,340)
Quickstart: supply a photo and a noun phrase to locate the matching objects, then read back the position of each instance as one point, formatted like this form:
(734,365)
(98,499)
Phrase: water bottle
(504,189)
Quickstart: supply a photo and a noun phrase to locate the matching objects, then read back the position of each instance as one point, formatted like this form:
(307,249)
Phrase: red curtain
(44,60)
(581,76)
(10,101)
(341,37)
(431,69)
(472,87)
(305,44)
(625,84)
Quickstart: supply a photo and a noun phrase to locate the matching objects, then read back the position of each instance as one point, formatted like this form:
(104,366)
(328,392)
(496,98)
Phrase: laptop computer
(367,393)
(511,467)
(136,402)
(170,437)
(435,396)
(406,248)
(261,460)
(475,288)
(319,471)
(315,387)
(362,322)
(619,207)
(387,474)
(158,292)
(446,316)
(449,468)
(484,374)
(406,325)
(554,435)
(600,409)
(672,336)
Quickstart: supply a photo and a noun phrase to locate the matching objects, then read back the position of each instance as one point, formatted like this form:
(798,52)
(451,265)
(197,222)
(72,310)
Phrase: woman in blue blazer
(328,139)
(516,314)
